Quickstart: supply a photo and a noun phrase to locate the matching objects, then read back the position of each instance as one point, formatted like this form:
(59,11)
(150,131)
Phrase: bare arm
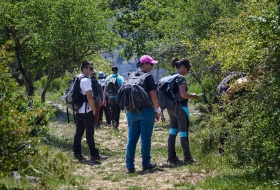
(154,99)
(90,101)
(184,94)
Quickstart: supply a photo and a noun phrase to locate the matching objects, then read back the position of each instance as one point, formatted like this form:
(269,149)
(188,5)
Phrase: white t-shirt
(85,86)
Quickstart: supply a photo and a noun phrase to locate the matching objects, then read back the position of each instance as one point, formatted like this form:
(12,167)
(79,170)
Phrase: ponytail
(174,62)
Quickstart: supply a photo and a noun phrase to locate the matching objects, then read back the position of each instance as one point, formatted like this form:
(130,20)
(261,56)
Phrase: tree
(168,28)
(57,35)
(23,120)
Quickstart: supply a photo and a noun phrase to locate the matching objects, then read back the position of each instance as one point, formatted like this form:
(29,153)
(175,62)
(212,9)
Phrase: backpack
(95,86)
(225,84)
(96,92)
(112,86)
(73,96)
(166,97)
(132,95)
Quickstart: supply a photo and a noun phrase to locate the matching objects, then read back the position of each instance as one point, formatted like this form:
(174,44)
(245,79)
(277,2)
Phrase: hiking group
(142,98)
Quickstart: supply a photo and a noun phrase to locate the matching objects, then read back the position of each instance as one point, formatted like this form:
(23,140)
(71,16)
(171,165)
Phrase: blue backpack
(166,97)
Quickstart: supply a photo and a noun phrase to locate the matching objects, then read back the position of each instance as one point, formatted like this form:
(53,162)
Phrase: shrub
(252,122)
(23,122)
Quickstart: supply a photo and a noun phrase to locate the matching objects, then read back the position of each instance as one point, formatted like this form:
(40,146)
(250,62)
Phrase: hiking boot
(131,170)
(115,125)
(97,126)
(189,161)
(220,151)
(116,128)
(173,160)
(79,157)
(150,167)
(108,124)
(98,157)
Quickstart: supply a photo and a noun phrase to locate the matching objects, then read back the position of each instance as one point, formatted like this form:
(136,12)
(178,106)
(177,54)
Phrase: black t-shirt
(149,83)
(179,80)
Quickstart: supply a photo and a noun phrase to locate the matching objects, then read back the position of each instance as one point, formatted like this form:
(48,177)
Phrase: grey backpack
(166,97)
(132,95)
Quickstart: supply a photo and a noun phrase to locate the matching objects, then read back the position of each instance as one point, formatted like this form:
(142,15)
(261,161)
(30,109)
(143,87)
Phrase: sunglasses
(151,64)
(91,68)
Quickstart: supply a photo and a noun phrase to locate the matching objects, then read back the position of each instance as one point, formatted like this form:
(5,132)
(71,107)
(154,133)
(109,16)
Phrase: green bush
(252,123)
(23,122)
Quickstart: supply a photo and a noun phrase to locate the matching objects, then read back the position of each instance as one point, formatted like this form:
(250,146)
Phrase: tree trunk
(27,80)
(43,95)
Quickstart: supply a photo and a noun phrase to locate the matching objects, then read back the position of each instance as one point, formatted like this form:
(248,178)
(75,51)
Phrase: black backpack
(73,96)
(94,86)
(166,97)
(112,86)
(132,95)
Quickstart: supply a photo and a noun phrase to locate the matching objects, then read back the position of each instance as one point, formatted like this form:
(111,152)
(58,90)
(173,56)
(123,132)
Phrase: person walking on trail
(112,84)
(141,123)
(85,117)
(97,94)
(179,113)
(103,109)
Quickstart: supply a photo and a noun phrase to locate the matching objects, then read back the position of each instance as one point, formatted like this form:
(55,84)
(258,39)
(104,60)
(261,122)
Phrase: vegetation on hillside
(43,40)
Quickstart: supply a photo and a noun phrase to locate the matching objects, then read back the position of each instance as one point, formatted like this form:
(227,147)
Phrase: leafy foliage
(23,119)
(249,43)
(52,37)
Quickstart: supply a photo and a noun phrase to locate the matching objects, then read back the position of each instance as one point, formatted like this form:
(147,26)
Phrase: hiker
(141,123)
(179,113)
(112,84)
(97,94)
(103,109)
(229,88)
(85,117)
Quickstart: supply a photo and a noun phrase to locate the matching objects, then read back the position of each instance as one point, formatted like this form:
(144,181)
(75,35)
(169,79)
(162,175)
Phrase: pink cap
(147,59)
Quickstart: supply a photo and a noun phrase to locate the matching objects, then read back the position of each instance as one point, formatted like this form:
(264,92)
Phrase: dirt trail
(112,174)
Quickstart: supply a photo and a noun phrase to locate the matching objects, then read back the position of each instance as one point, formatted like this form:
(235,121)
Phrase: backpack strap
(143,76)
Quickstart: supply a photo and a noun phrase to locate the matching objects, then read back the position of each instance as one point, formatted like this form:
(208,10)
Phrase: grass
(62,171)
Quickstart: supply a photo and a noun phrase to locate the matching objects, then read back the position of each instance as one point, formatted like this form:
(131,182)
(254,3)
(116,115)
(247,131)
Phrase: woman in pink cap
(141,123)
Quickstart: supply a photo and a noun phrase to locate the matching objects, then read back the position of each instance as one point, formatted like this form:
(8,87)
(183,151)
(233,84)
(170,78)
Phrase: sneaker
(98,157)
(79,157)
(190,161)
(150,167)
(131,170)
(173,160)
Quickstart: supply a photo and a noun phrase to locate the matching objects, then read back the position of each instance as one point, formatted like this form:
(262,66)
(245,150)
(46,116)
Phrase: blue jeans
(139,123)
